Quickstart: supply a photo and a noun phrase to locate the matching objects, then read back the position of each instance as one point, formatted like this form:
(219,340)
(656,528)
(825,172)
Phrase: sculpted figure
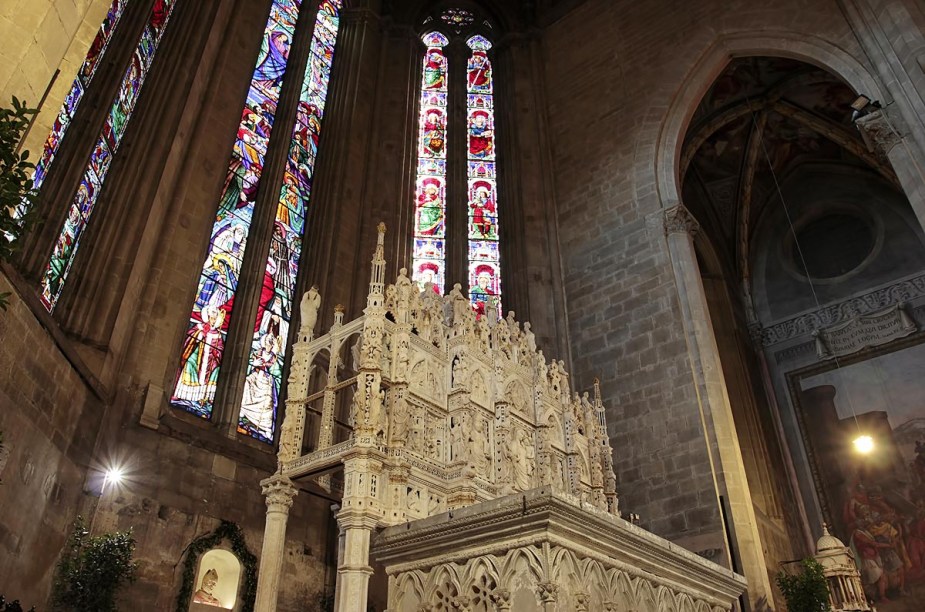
(484,333)
(480,458)
(529,338)
(527,456)
(399,420)
(311,302)
(460,438)
(511,465)
(204,594)
(590,415)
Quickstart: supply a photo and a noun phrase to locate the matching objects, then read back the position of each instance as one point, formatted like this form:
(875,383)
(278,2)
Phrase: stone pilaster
(279,492)
(716,411)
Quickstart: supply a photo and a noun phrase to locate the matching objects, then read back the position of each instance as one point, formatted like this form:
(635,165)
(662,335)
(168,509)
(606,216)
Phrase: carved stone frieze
(835,314)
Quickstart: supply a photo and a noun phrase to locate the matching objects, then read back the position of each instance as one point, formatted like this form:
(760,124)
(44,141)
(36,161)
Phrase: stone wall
(613,70)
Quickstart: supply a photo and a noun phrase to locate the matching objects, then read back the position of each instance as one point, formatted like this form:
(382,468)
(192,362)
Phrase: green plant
(93,569)
(225,531)
(16,193)
(806,591)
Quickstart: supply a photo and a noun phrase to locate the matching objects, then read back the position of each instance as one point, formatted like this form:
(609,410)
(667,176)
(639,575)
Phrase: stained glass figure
(484,255)
(76,93)
(260,400)
(204,344)
(107,144)
(429,257)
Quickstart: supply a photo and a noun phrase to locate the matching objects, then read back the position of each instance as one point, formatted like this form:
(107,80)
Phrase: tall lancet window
(484,257)
(78,88)
(203,350)
(107,143)
(429,259)
(274,311)
(478,191)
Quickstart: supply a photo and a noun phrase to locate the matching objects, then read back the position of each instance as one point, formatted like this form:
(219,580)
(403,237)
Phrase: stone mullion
(320,254)
(88,310)
(457,198)
(511,231)
(75,149)
(253,267)
(707,370)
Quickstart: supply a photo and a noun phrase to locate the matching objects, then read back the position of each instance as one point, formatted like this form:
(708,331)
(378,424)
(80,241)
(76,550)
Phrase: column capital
(548,591)
(279,492)
(679,220)
(878,132)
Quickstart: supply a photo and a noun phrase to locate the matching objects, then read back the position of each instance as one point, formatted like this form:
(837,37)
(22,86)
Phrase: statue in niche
(414,441)
(480,457)
(399,419)
(510,459)
(413,501)
(204,594)
(526,456)
(382,422)
(479,392)
(311,302)
(459,438)
(460,371)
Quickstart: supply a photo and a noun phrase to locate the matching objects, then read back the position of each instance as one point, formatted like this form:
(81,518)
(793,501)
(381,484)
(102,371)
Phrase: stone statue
(459,438)
(526,456)
(399,420)
(204,594)
(480,457)
(529,338)
(311,302)
(590,415)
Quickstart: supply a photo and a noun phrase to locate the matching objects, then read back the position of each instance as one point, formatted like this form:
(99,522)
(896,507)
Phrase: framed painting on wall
(874,501)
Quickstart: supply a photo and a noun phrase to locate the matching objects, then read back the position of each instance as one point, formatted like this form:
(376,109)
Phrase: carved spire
(377,279)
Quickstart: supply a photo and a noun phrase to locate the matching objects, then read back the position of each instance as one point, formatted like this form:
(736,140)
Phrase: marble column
(716,411)
(353,570)
(279,492)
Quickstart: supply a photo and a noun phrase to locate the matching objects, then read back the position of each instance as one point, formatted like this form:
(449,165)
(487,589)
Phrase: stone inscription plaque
(863,332)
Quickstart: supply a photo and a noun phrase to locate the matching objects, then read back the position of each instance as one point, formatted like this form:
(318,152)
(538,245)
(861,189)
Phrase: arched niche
(218,578)
(225,551)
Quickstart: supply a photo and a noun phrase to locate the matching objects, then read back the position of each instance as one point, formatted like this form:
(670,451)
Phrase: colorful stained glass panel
(260,399)
(428,257)
(484,252)
(221,270)
(107,144)
(75,95)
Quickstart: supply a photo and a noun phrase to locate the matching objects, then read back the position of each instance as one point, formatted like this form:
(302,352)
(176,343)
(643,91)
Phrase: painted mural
(875,502)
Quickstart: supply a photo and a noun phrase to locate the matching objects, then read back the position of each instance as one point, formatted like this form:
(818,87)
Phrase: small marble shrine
(474,476)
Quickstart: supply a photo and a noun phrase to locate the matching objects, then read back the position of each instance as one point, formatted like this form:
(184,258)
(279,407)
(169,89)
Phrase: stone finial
(679,220)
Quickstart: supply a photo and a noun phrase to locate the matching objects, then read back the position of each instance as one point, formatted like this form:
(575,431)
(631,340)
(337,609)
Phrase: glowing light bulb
(114,475)
(864,444)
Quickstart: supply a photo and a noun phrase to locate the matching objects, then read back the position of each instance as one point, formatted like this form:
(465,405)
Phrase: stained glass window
(107,144)
(204,343)
(484,255)
(429,255)
(260,400)
(78,87)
